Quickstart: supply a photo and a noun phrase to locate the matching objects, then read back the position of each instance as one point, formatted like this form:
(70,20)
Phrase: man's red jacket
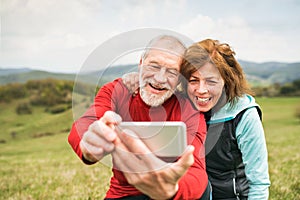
(115,96)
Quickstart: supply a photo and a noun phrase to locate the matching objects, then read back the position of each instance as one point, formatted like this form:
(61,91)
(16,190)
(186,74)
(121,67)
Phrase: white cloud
(32,30)
(62,34)
(249,44)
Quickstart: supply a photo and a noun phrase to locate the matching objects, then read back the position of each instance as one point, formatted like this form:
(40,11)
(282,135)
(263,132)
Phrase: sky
(56,35)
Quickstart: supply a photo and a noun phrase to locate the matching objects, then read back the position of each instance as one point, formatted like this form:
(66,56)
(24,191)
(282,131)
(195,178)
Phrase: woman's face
(205,87)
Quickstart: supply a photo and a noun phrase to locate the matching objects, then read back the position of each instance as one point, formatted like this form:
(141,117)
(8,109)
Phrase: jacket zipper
(234,189)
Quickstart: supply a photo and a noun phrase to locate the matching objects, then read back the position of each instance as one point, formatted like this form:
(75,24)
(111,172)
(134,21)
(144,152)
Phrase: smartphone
(167,140)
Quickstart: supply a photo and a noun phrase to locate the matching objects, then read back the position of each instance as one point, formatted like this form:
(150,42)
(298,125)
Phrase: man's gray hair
(167,43)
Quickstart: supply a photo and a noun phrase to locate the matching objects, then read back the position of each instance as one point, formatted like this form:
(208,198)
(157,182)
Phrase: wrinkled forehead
(163,58)
(208,71)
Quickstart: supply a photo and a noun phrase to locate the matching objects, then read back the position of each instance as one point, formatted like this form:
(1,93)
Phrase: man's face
(159,73)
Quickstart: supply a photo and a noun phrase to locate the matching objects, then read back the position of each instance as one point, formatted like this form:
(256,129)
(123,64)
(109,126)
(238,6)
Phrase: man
(138,174)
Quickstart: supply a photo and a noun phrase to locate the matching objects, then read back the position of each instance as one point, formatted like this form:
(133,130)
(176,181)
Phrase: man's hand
(100,137)
(146,172)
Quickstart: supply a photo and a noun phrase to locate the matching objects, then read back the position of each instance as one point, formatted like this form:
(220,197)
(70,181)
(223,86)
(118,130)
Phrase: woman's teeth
(202,100)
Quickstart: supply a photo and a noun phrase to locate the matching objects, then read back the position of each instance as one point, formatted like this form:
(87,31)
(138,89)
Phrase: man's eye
(173,72)
(155,67)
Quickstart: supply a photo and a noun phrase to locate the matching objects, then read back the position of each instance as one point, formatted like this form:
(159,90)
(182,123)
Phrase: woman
(236,153)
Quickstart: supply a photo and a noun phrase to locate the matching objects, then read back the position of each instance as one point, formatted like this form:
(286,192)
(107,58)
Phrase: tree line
(49,92)
(56,95)
(277,90)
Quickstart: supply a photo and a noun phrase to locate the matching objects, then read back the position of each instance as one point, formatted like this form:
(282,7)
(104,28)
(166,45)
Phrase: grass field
(37,162)
(282,130)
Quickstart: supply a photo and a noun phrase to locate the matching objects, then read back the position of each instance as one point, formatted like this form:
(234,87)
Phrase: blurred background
(44,45)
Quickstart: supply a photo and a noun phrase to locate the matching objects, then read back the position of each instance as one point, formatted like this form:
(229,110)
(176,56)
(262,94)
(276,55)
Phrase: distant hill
(8,71)
(257,73)
(22,76)
(271,72)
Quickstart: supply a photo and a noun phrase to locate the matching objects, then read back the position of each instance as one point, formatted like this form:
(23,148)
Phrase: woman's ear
(179,87)
(182,84)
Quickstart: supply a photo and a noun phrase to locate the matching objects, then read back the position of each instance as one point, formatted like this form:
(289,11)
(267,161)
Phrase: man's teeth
(157,88)
(202,99)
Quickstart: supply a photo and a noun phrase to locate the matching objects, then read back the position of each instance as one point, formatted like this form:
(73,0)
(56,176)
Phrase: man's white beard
(154,99)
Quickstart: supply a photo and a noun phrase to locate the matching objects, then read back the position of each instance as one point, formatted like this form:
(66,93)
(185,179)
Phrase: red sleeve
(104,101)
(194,182)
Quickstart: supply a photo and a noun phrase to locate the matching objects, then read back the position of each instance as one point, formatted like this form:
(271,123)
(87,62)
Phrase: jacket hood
(228,112)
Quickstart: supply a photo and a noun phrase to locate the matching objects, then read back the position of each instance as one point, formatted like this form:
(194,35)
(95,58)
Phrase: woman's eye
(211,82)
(193,81)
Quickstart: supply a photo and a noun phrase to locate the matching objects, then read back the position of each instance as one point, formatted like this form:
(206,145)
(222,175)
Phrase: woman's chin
(203,107)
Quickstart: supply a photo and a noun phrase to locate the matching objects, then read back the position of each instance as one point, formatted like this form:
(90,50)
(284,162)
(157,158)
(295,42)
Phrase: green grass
(44,167)
(282,131)
(29,125)
(47,168)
